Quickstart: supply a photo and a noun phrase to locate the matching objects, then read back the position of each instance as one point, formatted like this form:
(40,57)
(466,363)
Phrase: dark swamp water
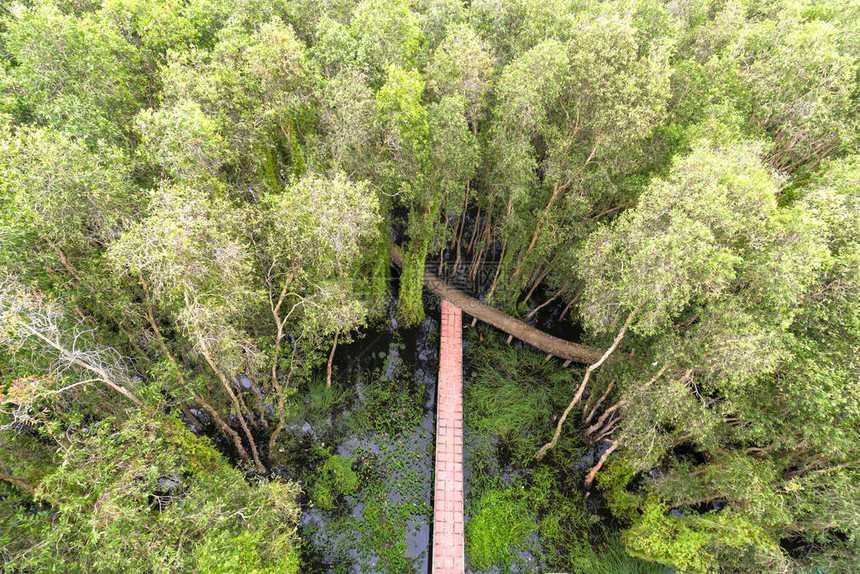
(381,416)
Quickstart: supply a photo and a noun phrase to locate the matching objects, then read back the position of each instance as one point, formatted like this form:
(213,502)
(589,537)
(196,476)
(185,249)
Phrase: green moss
(613,480)
(380,265)
(270,169)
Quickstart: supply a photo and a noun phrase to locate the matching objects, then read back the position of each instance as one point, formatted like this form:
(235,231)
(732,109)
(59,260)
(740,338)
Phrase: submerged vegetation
(208,362)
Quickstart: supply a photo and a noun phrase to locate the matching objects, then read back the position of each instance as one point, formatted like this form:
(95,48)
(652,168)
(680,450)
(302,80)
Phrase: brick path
(448,557)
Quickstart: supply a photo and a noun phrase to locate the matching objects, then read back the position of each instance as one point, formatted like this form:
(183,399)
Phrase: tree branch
(551,444)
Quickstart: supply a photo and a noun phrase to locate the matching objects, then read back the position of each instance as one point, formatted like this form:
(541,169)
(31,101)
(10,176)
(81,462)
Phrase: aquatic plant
(393,405)
(501,525)
(336,478)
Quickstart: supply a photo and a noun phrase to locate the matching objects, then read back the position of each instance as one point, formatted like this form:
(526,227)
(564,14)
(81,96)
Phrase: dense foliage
(197,201)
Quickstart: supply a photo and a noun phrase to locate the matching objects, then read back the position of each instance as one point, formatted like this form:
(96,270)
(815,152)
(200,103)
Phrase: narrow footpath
(448,541)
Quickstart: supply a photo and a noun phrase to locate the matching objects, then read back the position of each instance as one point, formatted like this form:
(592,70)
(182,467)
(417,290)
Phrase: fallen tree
(504,322)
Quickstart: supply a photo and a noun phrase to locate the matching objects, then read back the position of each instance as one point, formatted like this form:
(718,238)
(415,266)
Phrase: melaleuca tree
(158,27)
(462,66)
(385,34)
(77,73)
(792,74)
(198,201)
(94,181)
(811,115)
(718,284)
(569,117)
(454,153)
(460,75)
(513,28)
(319,241)
(183,141)
(436,17)
(145,494)
(349,131)
(62,205)
(256,88)
(194,268)
(315,234)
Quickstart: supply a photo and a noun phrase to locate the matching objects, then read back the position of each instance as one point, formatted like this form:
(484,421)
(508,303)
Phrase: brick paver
(448,556)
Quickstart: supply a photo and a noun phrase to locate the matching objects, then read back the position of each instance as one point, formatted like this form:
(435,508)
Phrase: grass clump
(512,395)
(328,410)
(501,525)
(510,402)
(325,406)
(611,558)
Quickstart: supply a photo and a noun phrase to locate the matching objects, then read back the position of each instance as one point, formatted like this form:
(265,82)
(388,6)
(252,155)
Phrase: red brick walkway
(448,554)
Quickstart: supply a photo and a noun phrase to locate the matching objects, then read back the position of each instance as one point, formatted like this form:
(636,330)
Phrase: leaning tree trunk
(526,333)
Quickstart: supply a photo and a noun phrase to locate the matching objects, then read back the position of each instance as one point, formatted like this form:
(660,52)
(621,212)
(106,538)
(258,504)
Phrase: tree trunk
(72,358)
(504,322)
(249,414)
(192,420)
(279,337)
(534,311)
(598,426)
(567,308)
(281,418)
(261,407)
(475,227)
(330,360)
(219,422)
(556,191)
(242,422)
(590,476)
(536,281)
(461,225)
(222,424)
(19,482)
(586,415)
(498,270)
